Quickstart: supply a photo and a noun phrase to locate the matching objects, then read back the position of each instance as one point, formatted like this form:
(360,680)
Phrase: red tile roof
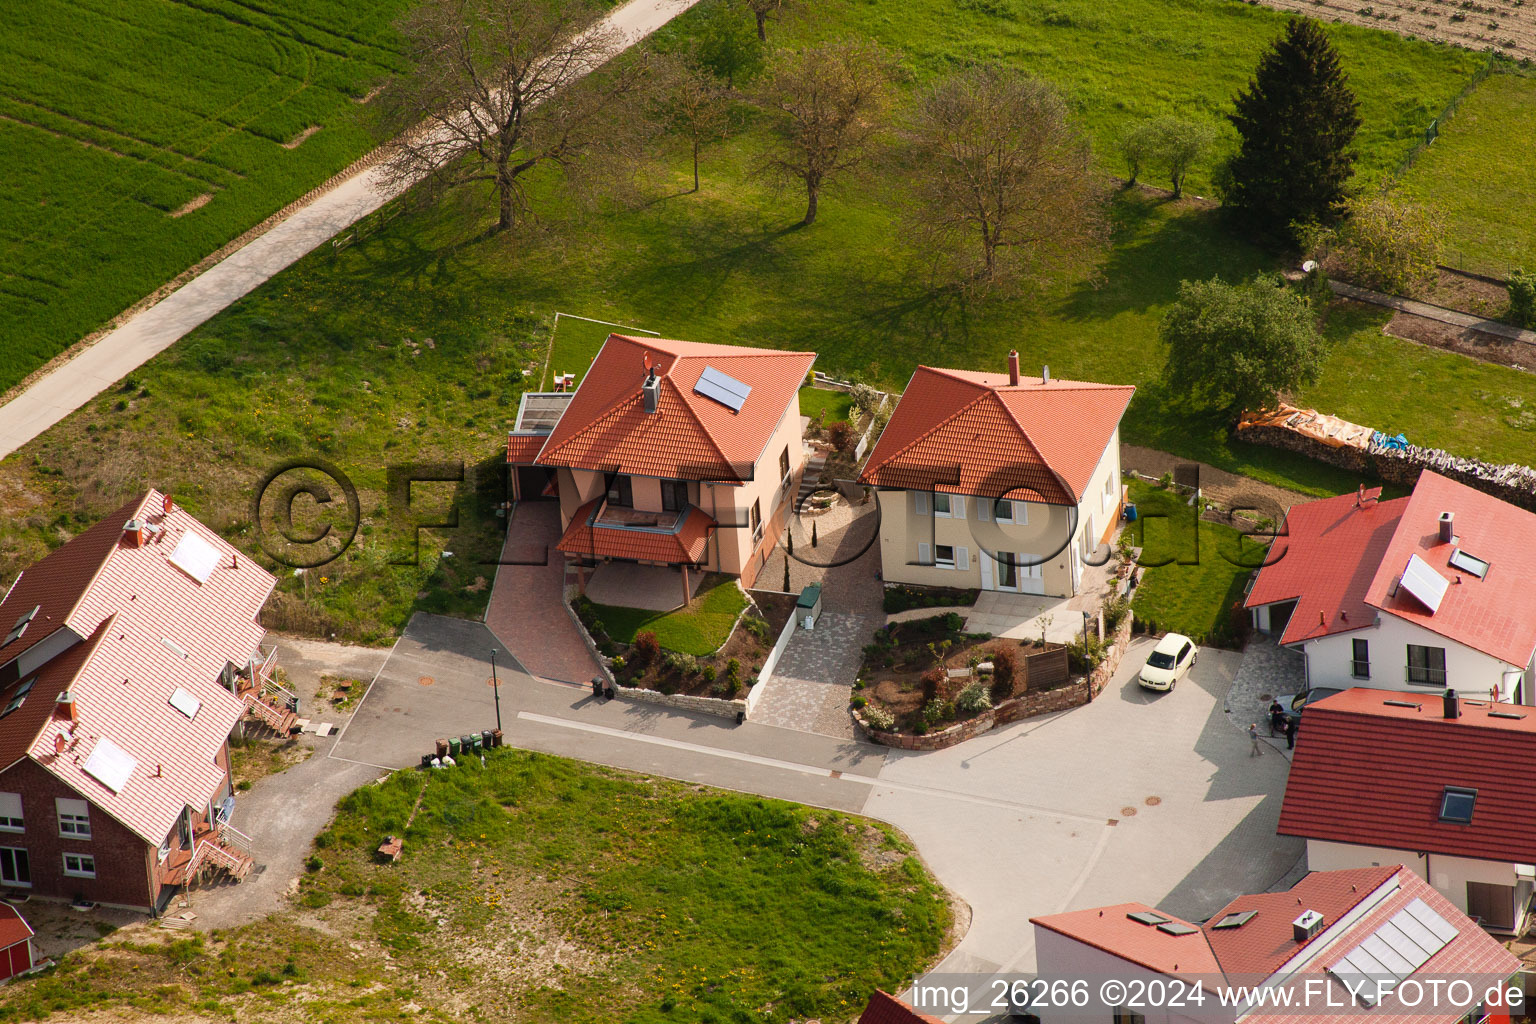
(1496,614)
(1266,941)
(1372,773)
(1112,930)
(13,927)
(974,433)
(586,536)
(690,437)
(1325,557)
(523,449)
(884,1008)
(151,629)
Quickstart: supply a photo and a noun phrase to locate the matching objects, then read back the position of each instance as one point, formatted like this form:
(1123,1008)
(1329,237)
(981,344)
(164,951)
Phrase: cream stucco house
(670,453)
(998,482)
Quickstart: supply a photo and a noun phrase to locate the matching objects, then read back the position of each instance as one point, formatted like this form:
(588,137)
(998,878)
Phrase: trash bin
(808,606)
(597,687)
(485,739)
(454,746)
(467,743)
(479,743)
(442,747)
(426,760)
(1128,513)
(495,737)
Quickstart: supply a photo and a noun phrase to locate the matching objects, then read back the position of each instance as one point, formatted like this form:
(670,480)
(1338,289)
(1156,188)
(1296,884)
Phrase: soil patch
(1490,348)
(1508,25)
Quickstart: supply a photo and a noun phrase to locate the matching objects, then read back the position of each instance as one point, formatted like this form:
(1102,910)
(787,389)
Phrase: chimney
(1013,367)
(168,505)
(1360,497)
(1452,704)
(1306,927)
(133,533)
(1045,374)
(64,707)
(651,389)
(1447,522)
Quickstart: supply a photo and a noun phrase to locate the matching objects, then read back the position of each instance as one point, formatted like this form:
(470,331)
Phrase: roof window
(1456,805)
(18,696)
(1235,920)
(1148,917)
(1468,563)
(21,625)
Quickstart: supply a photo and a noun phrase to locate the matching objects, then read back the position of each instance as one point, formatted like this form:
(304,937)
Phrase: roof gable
(1114,931)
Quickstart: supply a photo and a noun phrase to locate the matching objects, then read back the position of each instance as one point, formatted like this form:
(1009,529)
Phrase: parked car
(1168,662)
(1295,703)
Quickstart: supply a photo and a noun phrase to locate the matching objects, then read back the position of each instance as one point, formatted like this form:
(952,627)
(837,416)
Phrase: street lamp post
(496,689)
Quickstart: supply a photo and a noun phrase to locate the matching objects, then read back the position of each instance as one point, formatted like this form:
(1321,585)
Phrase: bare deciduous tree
(500,87)
(999,160)
(760,10)
(695,107)
(832,100)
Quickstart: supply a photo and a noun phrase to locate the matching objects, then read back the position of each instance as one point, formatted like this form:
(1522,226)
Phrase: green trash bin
(454,746)
(479,743)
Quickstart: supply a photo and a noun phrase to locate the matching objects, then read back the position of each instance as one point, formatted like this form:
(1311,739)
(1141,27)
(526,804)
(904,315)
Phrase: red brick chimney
(64,707)
(169,505)
(1013,367)
(134,533)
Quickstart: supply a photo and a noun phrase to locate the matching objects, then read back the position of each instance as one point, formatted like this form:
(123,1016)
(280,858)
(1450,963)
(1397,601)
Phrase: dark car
(1295,703)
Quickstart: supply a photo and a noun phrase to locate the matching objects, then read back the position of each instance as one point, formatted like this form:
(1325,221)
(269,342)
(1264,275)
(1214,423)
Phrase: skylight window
(723,388)
(1176,928)
(1236,920)
(1468,563)
(21,625)
(1456,805)
(195,557)
(1148,917)
(1424,583)
(18,696)
(110,765)
(184,702)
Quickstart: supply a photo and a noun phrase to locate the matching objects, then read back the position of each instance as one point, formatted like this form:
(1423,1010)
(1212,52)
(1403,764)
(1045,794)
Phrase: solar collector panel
(722,388)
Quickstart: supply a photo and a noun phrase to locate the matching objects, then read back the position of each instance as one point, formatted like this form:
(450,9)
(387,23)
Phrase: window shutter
(984,509)
(962,558)
(76,807)
(921,498)
(1021,513)
(922,554)
(10,805)
(957,505)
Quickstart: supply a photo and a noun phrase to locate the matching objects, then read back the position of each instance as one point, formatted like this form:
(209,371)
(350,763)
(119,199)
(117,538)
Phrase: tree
(832,101)
(1389,243)
(695,107)
(499,87)
(1136,149)
(1522,298)
(760,10)
(1176,144)
(998,160)
(1297,121)
(1238,346)
(727,48)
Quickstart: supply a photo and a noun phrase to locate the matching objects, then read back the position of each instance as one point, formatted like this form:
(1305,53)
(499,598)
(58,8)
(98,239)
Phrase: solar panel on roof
(195,557)
(722,388)
(1424,583)
(1468,563)
(184,702)
(110,765)
(1395,950)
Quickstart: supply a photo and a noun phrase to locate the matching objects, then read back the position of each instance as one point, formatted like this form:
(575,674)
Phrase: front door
(1020,572)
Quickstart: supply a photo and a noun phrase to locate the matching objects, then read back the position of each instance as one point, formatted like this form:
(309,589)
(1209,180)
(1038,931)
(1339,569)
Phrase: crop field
(1477,175)
(1508,25)
(141,135)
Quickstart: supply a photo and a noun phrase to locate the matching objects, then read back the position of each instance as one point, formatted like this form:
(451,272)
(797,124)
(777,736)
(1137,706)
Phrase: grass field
(837,405)
(698,630)
(1202,574)
(543,891)
(118,118)
(1478,176)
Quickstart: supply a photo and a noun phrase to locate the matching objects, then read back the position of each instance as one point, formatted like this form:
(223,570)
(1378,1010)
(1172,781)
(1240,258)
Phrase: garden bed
(927,673)
(900,597)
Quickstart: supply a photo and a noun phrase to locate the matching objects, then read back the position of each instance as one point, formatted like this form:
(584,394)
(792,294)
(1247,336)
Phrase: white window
(920,503)
(165,849)
(10,812)
(944,556)
(79,865)
(74,818)
(1109,490)
(941,504)
(15,869)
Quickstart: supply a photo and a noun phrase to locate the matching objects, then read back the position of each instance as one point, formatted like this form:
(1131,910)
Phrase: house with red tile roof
(994,481)
(1364,930)
(1444,785)
(884,1008)
(129,655)
(1419,593)
(669,453)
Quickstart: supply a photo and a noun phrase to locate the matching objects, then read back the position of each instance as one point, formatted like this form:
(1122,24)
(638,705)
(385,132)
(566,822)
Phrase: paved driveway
(526,610)
(1137,796)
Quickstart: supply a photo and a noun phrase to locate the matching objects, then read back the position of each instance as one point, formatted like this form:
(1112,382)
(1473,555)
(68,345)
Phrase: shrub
(1085,653)
(936,711)
(314,863)
(933,684)
(618,662)
(756,625)
(647,648)
(1115,610)
(865,398)
(919,727)
(1522,298)
(1004,670)
(841,435)
(683,664)
(709,673)
(859,701)
(974,699)
(732,677)
(879,718)
(1389,243)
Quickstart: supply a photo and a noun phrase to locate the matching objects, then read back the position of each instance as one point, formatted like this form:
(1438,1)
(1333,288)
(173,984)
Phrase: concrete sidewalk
(150,332)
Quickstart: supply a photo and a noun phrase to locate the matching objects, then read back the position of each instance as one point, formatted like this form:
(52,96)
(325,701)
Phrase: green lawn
(837,405)
(116,115)
(1201,575)
(544,891)
(698,630)
(1478,175)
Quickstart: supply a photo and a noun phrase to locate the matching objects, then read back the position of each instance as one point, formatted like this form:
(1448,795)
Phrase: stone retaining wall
(683,702)
(1026,705)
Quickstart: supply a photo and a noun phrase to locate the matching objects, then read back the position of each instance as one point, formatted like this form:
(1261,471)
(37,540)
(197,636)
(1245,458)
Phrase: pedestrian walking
(1290,733)
(1277,718)
(1253,736)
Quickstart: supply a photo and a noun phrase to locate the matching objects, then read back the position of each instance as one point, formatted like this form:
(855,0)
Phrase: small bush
(974,699)
(865,398)
(647,648)
(756,625)
(732,677)
(919,727)
(1005,670)
(841,435)
(314,863)
(1522,298)
(1085,653)
(618,662)
(243,785)
(879,718)
(933,684)
(937,711)
(1115,610)
(710,673)
(859,701)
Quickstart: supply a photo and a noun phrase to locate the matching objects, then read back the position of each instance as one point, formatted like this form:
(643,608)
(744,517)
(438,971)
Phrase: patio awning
(682,543)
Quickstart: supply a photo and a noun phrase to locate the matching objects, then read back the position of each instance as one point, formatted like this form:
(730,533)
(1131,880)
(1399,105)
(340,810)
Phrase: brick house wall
(124,862)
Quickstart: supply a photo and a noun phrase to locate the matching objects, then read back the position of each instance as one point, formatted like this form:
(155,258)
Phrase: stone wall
(683,702)
(1026,705)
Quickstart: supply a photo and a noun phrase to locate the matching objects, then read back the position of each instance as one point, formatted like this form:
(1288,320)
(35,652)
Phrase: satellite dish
(1309,266)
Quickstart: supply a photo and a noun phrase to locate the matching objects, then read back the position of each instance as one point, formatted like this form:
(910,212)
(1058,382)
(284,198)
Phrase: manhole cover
(493,682)
(1127,812)
(1153,801)
(1266,696)
(426,680)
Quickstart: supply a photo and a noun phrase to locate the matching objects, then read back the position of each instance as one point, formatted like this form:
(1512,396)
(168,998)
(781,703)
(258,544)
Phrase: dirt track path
(1219,486)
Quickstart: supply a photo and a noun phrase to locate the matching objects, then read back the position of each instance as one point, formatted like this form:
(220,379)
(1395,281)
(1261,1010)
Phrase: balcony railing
(1360,669)
(1422,676)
